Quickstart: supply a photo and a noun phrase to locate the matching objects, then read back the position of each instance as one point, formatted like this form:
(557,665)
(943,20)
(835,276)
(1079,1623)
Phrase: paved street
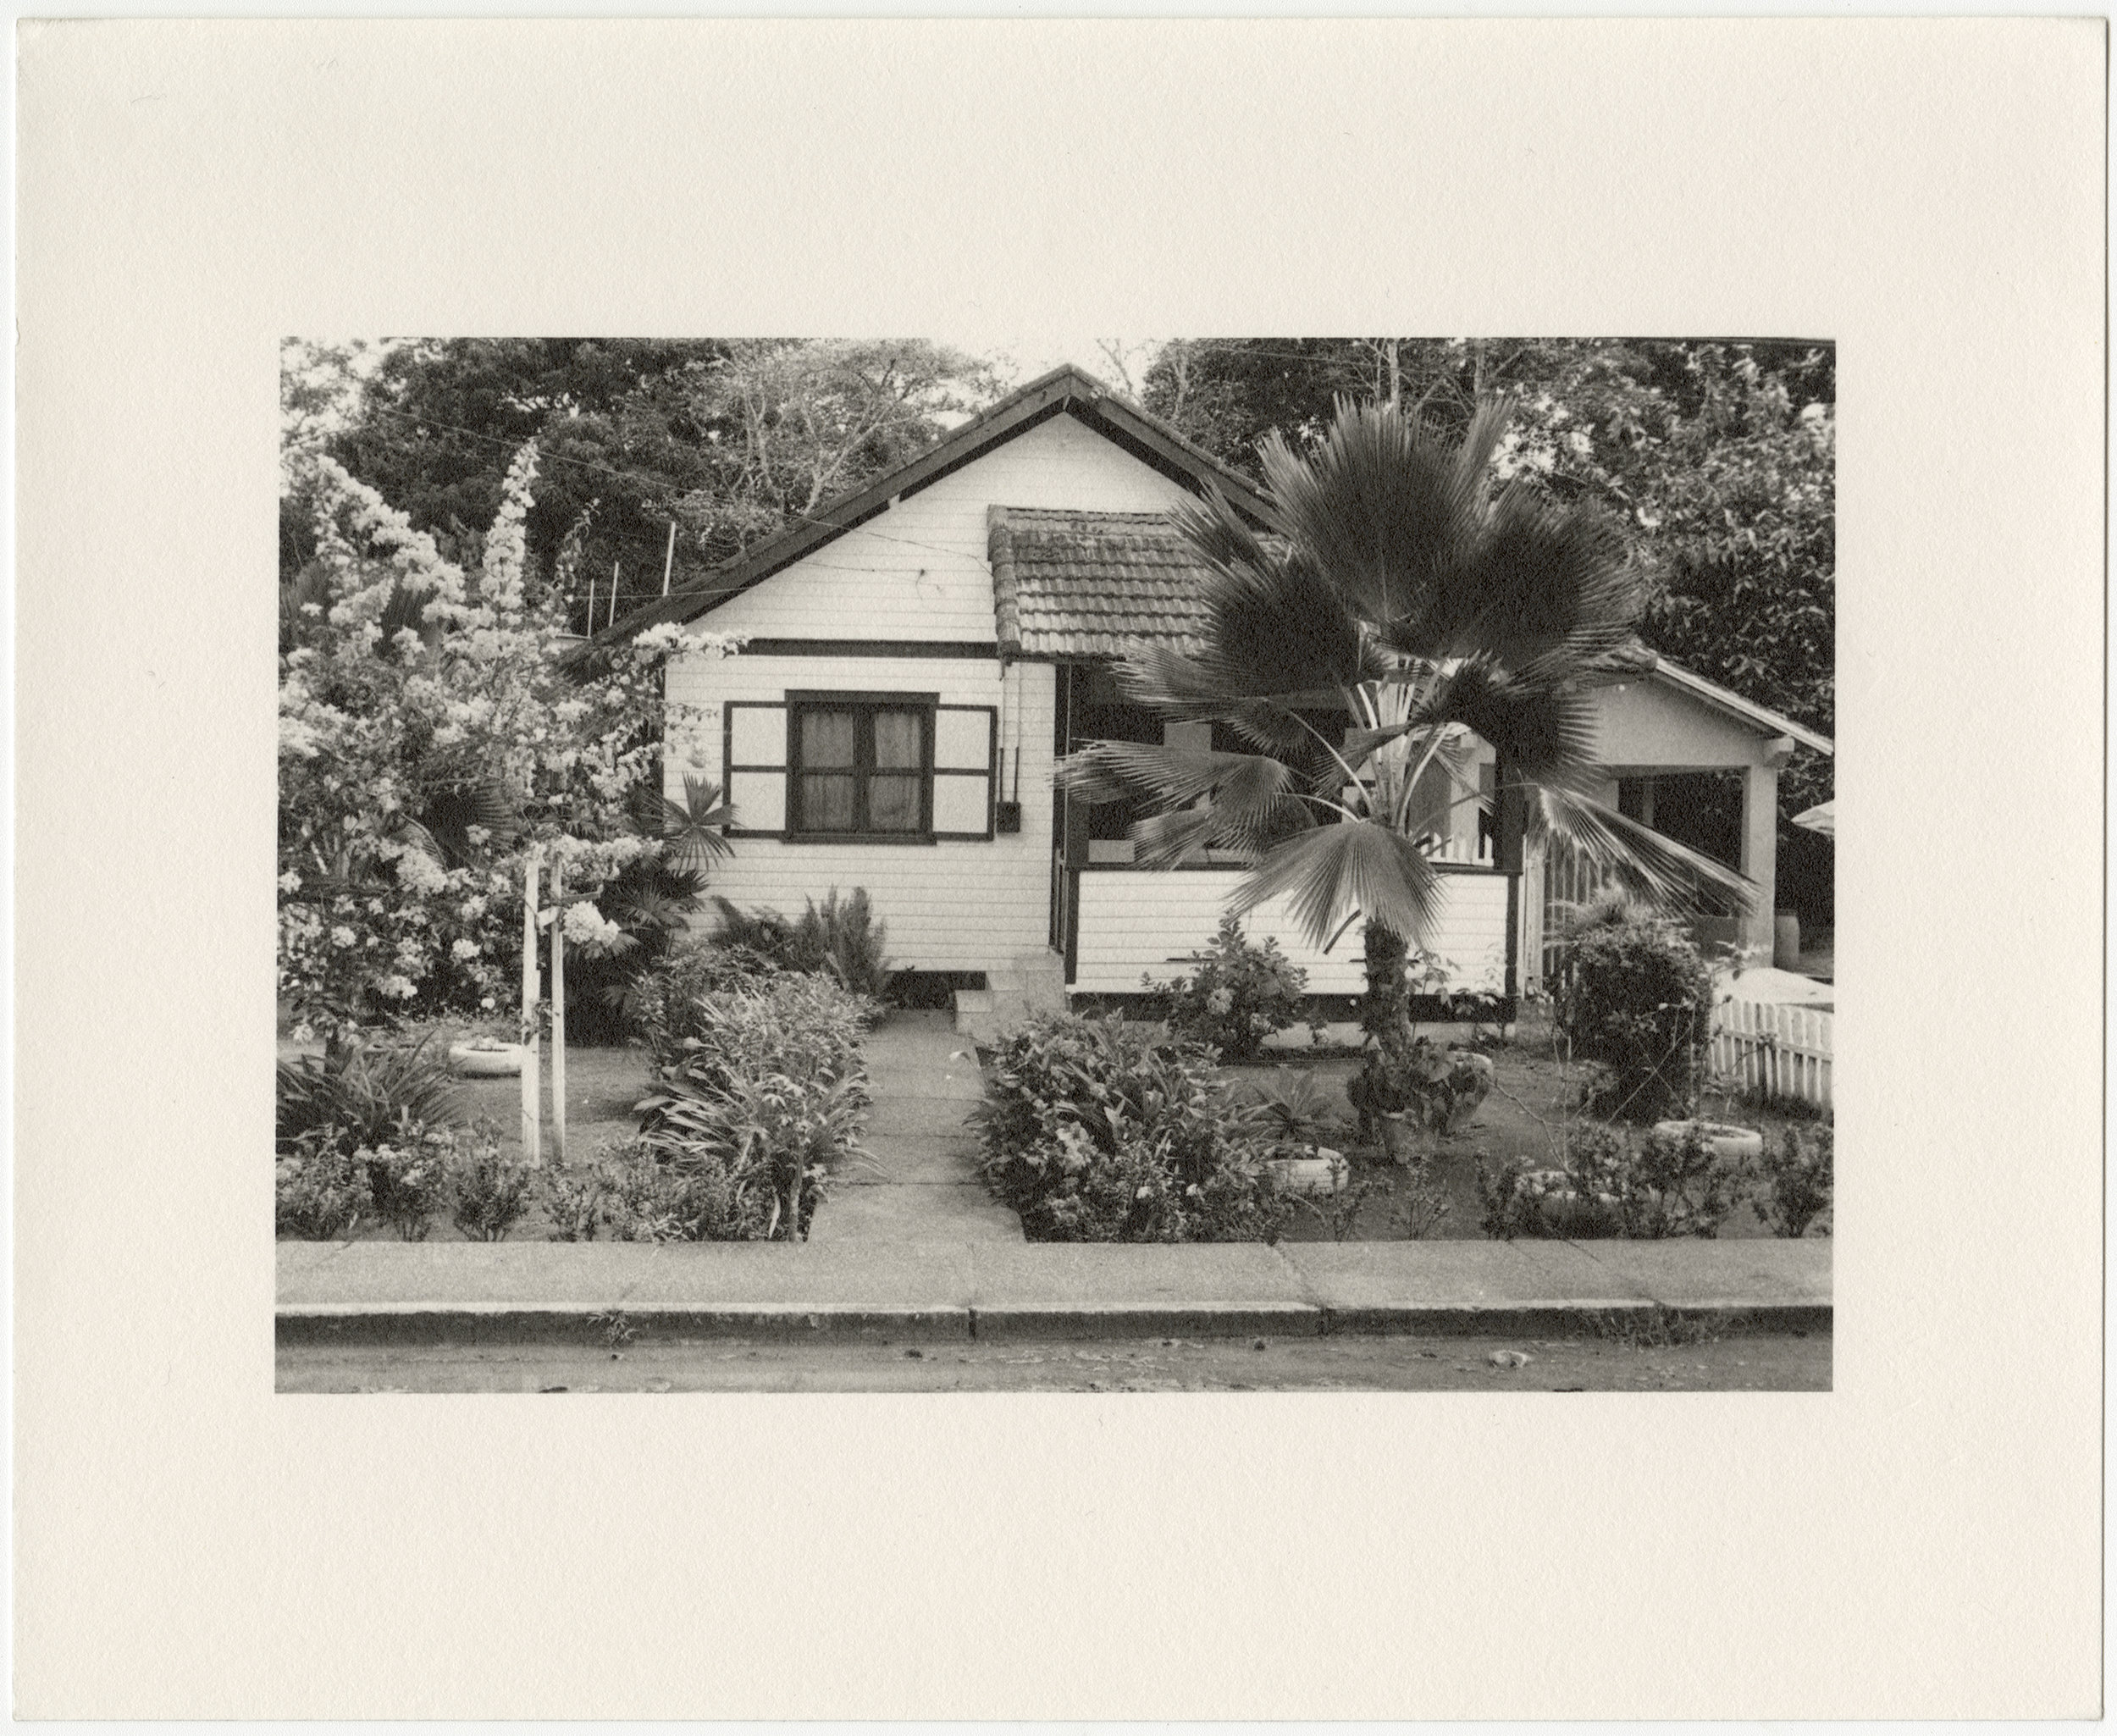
(1778,1362)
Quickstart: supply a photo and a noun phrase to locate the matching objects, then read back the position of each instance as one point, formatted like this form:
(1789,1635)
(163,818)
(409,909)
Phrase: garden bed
(1524,1118)
(722,1126)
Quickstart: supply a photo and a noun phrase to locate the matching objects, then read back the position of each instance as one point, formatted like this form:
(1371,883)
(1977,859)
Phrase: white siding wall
(919,571)
(950,906)
(1136,920)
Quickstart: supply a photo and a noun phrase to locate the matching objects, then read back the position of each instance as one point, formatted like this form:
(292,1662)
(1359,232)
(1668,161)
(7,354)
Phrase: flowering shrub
(408,1176)
(319,1193)
(1661,1187)
(1239,995)
(428,736)
(1095,1131)
(1635,996)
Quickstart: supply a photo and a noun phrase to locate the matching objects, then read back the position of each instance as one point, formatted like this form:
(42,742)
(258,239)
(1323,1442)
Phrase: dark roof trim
(1064,390)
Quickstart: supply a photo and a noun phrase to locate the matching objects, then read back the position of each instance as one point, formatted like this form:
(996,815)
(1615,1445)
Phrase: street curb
(442,1323)
(563,1323)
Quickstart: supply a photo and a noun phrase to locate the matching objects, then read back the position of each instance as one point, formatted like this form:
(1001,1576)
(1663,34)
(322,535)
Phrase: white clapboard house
(920,654)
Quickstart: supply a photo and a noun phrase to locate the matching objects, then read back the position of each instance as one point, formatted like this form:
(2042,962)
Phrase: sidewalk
(433,1293)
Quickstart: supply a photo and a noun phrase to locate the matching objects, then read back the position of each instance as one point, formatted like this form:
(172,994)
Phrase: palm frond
(690,828)
(1378,508)
(1162,840)
(1167,681)
(1543,730)
(1638,858)
(1546,585)
(1336,872)
(1248,799)
(484,803)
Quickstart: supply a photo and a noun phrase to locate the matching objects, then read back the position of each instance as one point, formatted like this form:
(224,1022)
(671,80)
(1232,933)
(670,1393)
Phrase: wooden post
(532,1129)
(669,560)
(558,1013)
(616,568)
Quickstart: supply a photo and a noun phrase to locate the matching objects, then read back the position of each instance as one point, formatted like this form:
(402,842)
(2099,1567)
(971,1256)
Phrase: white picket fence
(1781,1051)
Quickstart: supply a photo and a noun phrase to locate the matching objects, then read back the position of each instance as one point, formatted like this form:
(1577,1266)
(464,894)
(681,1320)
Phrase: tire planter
(1325,1172)
(1722,1139)
(476,1063)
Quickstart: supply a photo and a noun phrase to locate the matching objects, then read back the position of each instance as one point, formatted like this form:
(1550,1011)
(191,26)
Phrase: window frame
(864,705)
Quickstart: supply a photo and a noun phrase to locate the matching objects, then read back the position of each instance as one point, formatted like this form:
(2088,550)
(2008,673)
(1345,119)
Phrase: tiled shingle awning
(1070,583)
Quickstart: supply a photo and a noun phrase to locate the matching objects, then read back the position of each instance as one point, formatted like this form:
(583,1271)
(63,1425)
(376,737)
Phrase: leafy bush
(573,1199)
(366,1096)
(637,1191)
(1240,994)
(1095,1131)
(489,1192)
(1797,1177)
(1436,1088)
(759,1085)
(840,940)
(806,1027)
(1661,1187)
(319,1193)
(1634,995)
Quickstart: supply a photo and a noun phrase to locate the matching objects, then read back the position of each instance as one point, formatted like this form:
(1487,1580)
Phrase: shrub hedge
(1098,1130)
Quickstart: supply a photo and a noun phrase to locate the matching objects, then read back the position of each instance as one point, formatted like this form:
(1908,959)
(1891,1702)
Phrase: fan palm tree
(1435,611)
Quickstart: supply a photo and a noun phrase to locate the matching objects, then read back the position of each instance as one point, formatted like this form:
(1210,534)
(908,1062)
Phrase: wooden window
(861,765)
(877,768)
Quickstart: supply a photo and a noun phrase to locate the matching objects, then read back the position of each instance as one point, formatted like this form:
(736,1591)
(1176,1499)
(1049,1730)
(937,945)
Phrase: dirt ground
(1784,1362)
(1524,1117)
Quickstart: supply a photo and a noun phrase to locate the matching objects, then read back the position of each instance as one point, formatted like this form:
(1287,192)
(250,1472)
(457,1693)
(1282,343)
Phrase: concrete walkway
(460,1292)
(919,1184)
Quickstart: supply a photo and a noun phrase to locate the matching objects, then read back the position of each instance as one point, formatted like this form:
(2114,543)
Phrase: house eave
(1732,705)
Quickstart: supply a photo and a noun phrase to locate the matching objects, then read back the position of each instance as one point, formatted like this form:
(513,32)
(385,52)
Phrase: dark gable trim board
(871,648)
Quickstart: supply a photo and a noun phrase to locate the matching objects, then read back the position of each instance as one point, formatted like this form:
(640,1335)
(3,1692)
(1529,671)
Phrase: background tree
(728,440)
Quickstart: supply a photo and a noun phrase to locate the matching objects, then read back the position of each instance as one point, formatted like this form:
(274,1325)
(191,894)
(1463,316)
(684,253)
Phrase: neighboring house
(922,653)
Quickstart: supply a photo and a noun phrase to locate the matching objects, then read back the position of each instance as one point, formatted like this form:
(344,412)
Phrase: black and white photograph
(1003,977)
(852,865)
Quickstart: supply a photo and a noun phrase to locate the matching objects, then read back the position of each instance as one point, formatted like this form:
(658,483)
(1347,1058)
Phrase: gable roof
(1068,583)
(1065,390)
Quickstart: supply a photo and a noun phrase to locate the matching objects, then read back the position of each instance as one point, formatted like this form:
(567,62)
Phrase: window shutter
(965,740)
(754,759)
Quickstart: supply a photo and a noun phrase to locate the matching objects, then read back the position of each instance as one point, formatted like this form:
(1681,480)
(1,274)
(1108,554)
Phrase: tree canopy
(728,440)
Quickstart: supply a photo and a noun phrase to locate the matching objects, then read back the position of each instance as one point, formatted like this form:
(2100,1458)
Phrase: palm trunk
(1383,1009)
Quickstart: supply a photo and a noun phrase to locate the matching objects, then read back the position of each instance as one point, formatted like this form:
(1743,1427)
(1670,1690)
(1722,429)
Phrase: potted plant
(483,1053)
(1294,1112)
